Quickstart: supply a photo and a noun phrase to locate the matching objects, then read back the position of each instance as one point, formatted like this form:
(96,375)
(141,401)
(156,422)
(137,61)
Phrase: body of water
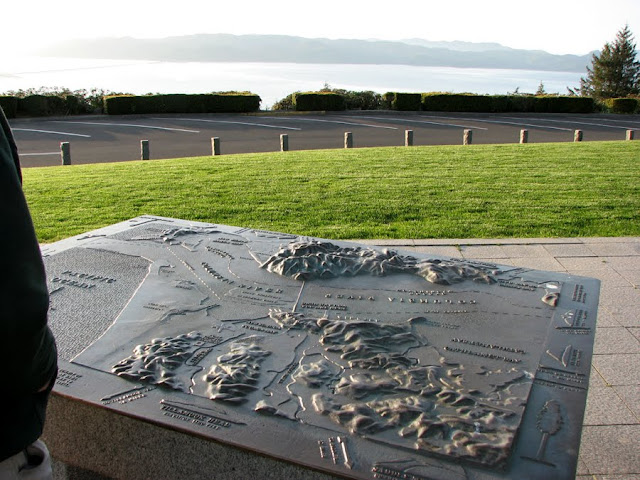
(272,81)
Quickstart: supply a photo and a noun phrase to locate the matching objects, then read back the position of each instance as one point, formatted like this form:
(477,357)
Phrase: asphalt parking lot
(95,139)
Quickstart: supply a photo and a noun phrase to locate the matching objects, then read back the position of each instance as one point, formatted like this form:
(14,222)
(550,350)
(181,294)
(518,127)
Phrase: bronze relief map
(367,362)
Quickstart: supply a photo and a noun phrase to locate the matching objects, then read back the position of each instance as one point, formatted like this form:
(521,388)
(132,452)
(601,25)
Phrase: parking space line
(128,125)
(236,123)
(542,127)
(569,121)
(631,122)
(38,154)
(426,122)
(50,131)
(337,121)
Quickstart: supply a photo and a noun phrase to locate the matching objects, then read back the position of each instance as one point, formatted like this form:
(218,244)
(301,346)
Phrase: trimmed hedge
(41,105)
(406,102)
(445,102)
(454,102)
(622,105)
(318,101)
(9,105)
(181,103)
(34,106)
(552,104)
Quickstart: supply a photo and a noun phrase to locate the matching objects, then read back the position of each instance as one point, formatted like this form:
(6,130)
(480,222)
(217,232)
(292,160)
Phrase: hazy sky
(557,26)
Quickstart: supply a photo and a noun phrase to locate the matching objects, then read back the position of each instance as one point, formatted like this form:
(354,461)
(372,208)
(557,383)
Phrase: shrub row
(445,102)
(318,101)
(623,105)
(182,103)
(336,100)
(9,105)
(41,105)
(406,102)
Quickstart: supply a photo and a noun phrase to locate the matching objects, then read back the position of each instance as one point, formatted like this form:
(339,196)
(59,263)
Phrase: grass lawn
(483,191)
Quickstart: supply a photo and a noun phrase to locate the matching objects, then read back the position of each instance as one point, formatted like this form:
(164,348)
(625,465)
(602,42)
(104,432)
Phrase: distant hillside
(287,49)
(457,46)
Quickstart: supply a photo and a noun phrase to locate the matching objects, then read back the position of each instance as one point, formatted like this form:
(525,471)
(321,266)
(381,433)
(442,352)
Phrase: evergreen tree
(615,72)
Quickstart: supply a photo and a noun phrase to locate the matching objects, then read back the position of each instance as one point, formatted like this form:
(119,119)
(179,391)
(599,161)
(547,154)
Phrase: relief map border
(364,362)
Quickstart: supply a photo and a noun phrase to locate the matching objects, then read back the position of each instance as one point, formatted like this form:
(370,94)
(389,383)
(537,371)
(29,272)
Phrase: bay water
(272,81)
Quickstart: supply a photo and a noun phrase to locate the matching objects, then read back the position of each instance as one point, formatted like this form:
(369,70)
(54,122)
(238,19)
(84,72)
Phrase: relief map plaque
(360,361)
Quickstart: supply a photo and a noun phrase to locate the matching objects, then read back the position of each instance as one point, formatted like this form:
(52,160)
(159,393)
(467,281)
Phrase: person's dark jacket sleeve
(28,358)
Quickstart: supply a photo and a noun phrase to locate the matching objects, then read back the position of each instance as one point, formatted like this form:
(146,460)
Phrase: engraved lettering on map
(558,386)
(258,328)
(215,274)
(199,355)
(333,448)
(491,356)
(562,376)
(324,306)
(195,417)
(185,285)
(429,293)
(88,276)
(128,396)
(433,323)
(491,346)
(383,472)
(257,298)
(323,448)
(220,253)
(155,306)
(212,339)
(413,470)
(263,327)
(230,241)
(73,283)
(518,285)
(287,373)
(66,378)
(579,294)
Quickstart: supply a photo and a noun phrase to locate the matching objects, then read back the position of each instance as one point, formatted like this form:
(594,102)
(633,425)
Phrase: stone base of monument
(93,443)
(192,350)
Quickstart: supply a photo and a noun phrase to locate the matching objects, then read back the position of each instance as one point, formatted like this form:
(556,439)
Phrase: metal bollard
(284,142)
(467,137)
(577,136)
(144,150)
(408,138)
(215,146)
(348,140)
(524,136)
(65,153)
(630,134)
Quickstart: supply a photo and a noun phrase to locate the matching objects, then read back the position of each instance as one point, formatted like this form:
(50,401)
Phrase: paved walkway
(610,446)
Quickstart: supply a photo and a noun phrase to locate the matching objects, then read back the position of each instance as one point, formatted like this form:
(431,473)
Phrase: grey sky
(558,26)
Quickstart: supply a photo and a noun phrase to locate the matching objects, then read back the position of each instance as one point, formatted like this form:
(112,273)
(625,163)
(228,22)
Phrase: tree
(615,72)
